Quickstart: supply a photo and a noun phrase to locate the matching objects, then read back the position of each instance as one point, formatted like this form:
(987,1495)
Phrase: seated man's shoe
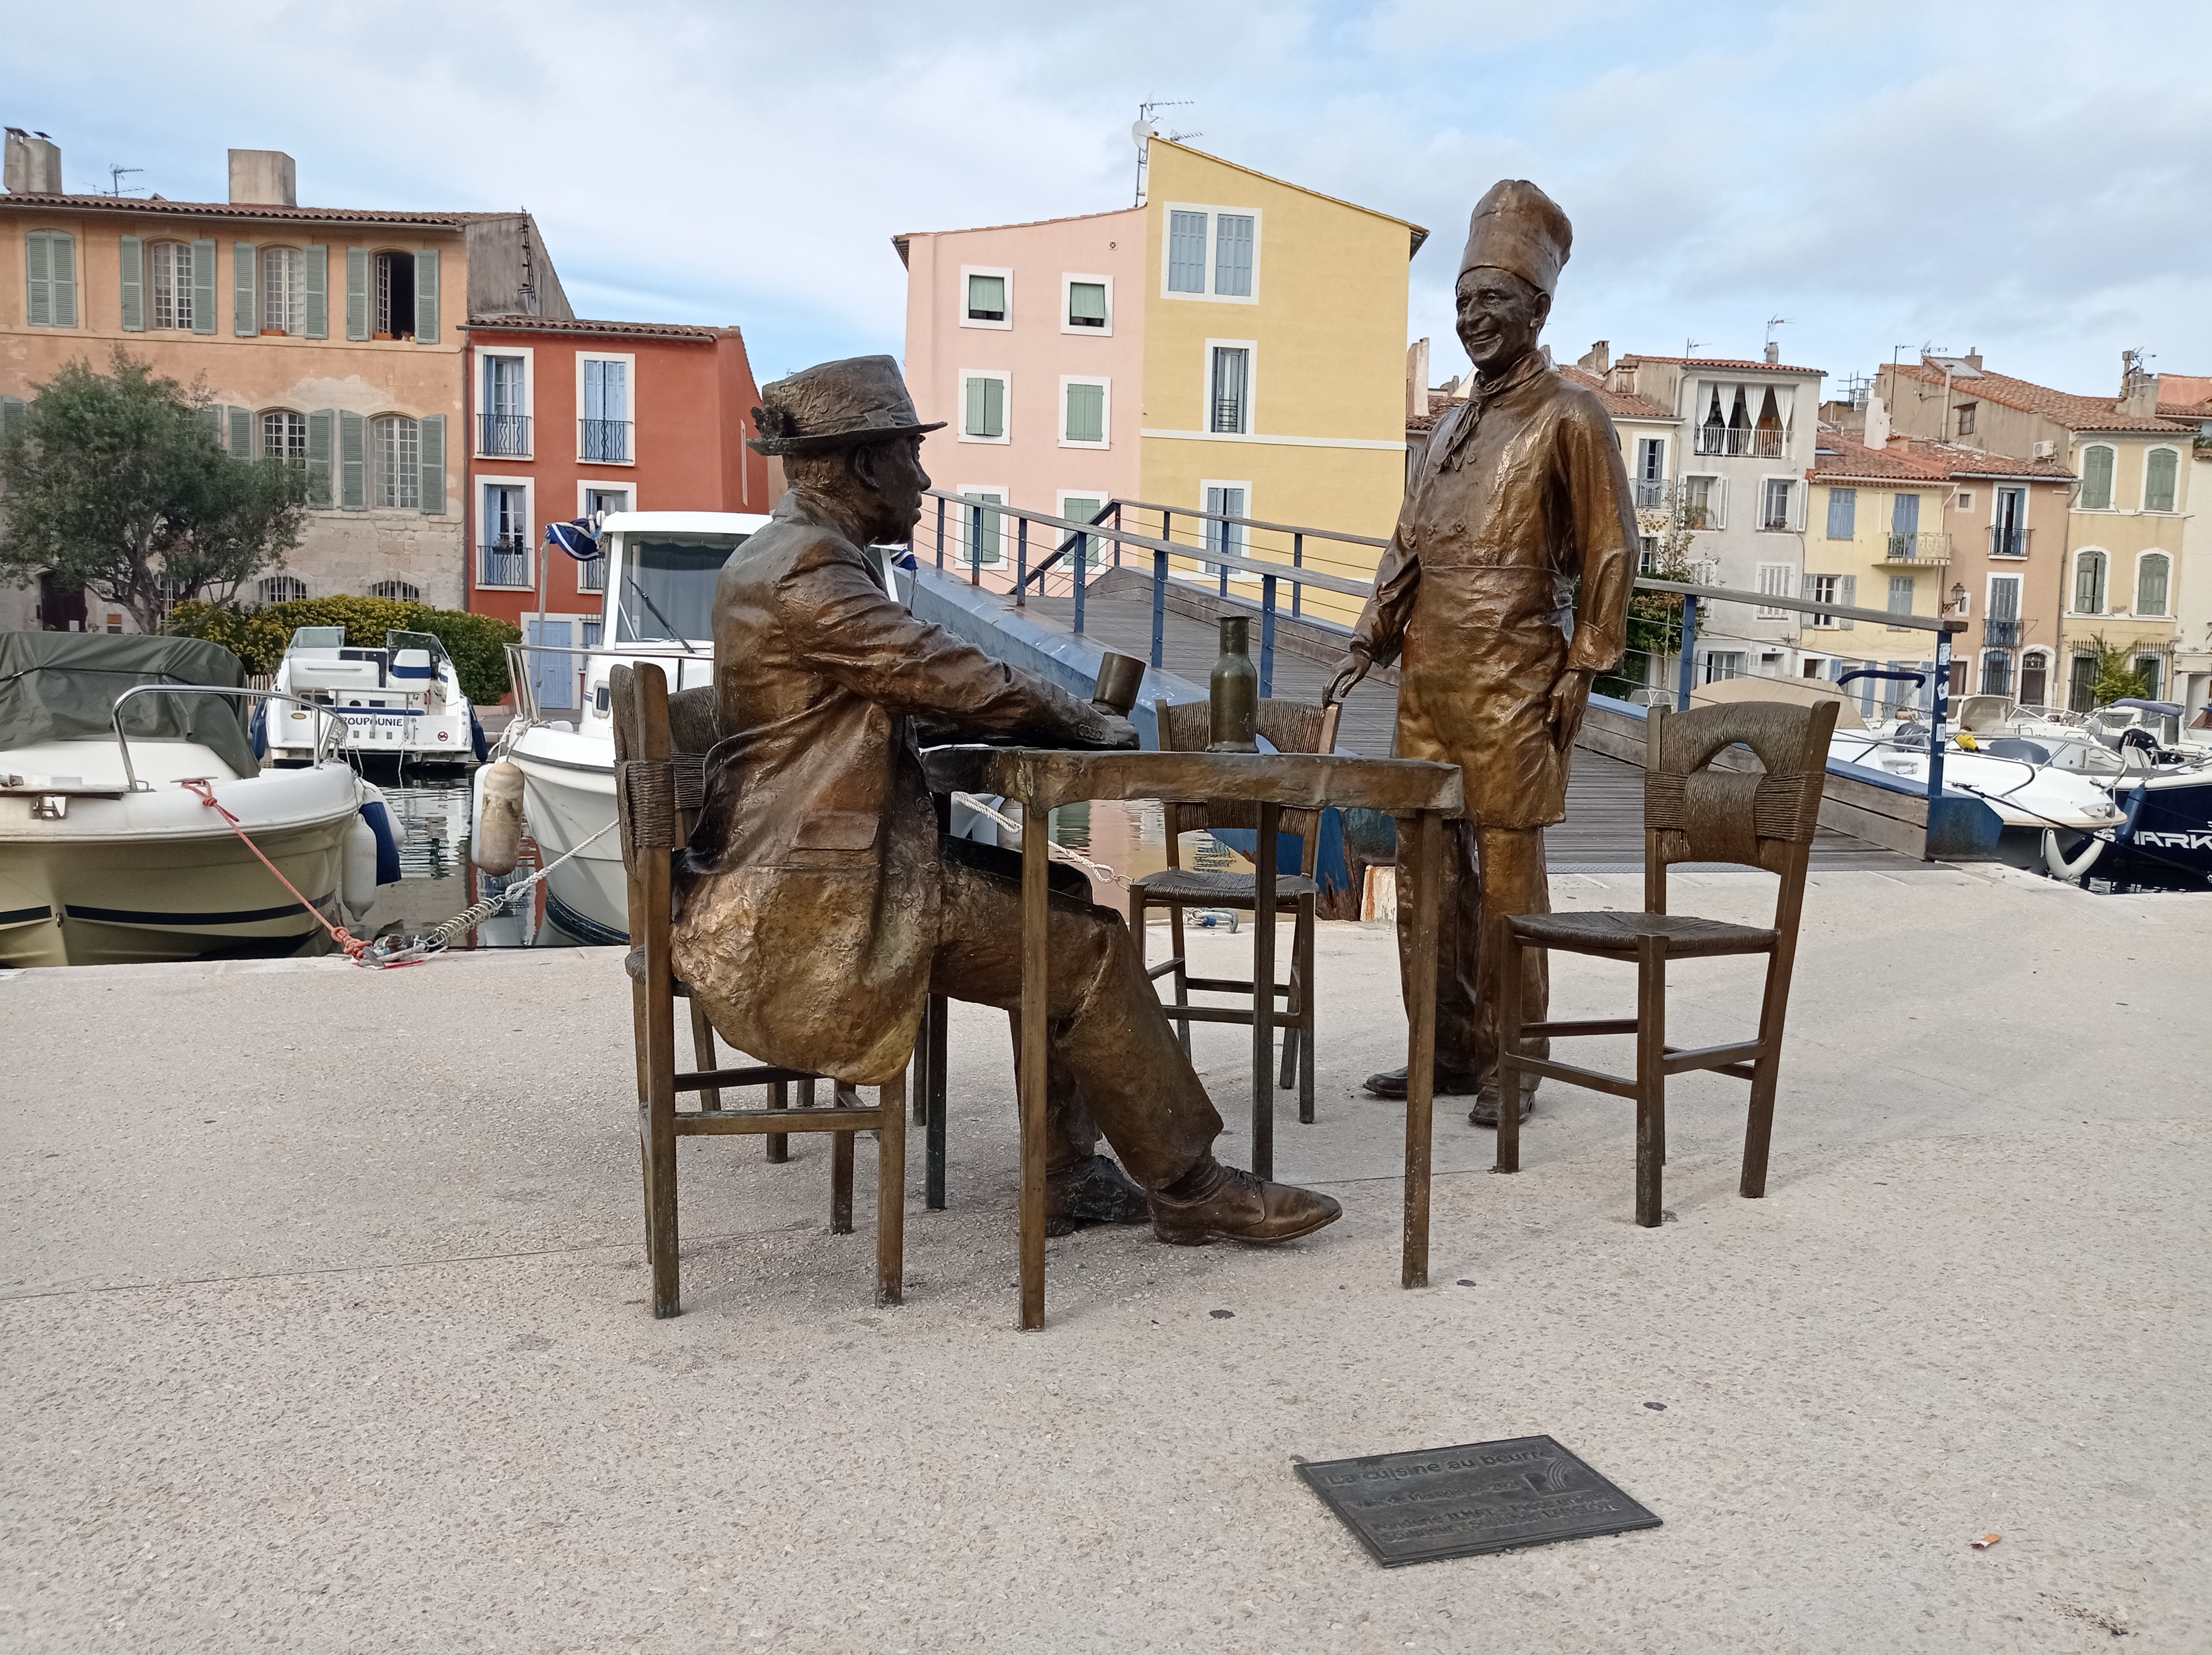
(1484,1112)
(1391,1083)
(1093,1191)
(1213,1202)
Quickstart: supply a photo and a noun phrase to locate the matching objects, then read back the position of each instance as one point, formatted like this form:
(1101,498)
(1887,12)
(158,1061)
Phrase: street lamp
(1958,598)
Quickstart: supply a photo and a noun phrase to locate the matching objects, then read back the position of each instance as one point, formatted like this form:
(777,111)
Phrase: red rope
(354,948)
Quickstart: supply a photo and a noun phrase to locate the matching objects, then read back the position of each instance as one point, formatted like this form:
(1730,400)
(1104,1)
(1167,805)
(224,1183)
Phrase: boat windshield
(665,592)
(396,640)
(319,637)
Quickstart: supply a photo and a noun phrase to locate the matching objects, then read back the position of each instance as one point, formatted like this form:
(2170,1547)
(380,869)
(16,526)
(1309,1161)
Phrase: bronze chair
(1293,727)
(656,795)
(1691,814)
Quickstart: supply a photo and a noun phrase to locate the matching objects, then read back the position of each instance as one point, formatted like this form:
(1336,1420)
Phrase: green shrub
(475,643)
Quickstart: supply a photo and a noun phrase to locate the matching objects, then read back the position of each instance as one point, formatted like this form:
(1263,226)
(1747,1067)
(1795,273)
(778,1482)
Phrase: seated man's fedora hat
(840,404)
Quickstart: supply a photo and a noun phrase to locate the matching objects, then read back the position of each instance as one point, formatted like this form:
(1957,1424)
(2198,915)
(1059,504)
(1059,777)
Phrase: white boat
(662,568)
(110,854)
(401,702)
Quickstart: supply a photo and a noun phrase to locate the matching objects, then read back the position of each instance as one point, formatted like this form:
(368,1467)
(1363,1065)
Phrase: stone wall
(348,552)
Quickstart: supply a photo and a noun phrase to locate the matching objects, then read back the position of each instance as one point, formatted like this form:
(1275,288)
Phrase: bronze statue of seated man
(818,908)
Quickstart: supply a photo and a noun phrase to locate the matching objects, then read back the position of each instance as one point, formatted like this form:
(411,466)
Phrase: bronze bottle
(1234,691)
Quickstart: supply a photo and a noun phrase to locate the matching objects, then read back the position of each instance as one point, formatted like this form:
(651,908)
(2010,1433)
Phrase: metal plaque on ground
(1480,1497)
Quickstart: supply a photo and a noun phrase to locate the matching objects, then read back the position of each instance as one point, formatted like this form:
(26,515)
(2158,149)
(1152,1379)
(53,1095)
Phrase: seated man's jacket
(807,900)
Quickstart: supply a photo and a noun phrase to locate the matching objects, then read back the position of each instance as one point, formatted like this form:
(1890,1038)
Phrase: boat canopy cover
(54,685)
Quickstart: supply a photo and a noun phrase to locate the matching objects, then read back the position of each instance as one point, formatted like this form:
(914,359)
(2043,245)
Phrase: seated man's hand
(1120,732)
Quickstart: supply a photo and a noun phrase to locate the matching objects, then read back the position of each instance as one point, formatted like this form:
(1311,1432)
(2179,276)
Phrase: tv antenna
(115,180)
(1773,322)
(1143,129)
(1690,347)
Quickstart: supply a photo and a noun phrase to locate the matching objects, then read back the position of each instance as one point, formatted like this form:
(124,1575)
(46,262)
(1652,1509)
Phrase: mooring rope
(353,947)
(1075,858)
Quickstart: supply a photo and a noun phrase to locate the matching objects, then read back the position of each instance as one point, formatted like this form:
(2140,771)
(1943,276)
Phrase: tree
(2115,673)
(116,482)
(1655,618)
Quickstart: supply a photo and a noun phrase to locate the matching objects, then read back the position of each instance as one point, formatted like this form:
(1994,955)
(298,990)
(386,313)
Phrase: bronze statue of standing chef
(1503,594)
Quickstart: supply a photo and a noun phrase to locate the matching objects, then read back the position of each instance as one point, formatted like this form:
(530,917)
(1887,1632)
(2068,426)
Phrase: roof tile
(2077,413)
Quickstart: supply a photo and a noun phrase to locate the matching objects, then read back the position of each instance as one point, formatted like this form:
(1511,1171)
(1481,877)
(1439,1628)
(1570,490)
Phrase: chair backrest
(1293,726)
(1695,813)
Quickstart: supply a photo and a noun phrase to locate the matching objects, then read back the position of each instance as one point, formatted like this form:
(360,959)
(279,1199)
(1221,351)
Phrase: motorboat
(402,701)
(111,749)
(661,571)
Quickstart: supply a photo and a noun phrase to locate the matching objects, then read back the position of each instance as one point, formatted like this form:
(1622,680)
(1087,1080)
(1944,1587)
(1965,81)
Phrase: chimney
(1773,351)
(1974,359)
(2138,388)
(1417,379)
(1877,423)
(1599,359)
(35,164)
(263,177)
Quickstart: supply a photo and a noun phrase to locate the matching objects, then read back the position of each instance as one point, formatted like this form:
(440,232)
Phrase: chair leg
(778,1144)
(1181,972)
(840,1165)
(1511,960)
(890,1193)
(1759,1125)
(1650,1078)
(1303,951)
(702,1051)
(920,1082)
(933,1140)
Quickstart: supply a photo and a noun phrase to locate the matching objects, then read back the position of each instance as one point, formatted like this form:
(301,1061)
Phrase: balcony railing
(1740,440)
(1229,414)
(506,436)
(606,441)
(1999,632)
(591,574)
(1917,549)
(503,562)
(2009,543)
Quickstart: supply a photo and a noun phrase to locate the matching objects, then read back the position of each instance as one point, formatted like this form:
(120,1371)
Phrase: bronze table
(1042,780)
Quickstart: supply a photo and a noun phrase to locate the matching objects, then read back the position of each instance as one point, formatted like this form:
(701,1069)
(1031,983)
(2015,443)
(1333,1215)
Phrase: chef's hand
(1349,670)
(1570,700)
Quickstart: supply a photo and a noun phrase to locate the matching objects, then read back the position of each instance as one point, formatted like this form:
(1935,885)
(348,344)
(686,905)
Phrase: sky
(2031,179)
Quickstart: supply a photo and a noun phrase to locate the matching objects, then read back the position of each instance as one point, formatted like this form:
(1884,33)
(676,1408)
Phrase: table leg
(1420,1056)
(1263,993)
(1031,1080)
(933,1151)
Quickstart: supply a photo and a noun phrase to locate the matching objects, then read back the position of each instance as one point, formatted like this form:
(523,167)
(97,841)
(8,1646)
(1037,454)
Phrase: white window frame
(179,287)
(373,469)
(628,359)
(1006,271)
(584,485)
(482,481)
(1716,499)
(477,410)
(1005,379)
(1791,519)
(1060,509)
(1806,590)
(1005,558)
(1067,280)
(2174,510)
(1213,248)
(1106,413)
(1251,349)
(295,297)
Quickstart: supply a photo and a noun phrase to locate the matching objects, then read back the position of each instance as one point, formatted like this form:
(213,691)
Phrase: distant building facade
(2188,400)
(1236,344)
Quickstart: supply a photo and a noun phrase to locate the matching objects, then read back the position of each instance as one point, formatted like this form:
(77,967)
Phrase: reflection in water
(436,880)
(1131,838)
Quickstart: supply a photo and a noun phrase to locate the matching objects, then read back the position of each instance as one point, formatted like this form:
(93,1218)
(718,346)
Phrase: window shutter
(134,284)
(1849,588)
(994,406)
(2097,479)
(316,266)
(211,416)
(1232,255)
(319,457)
(431,433)
(38,279)
(241,432)
(2158,479)
(62,275)
(245,281)
(1186,252)
(1717,506)
(2150,585)
(352,459)
(426,297)
(1904,515)
(1843,513)
(1086,413)
(356,293)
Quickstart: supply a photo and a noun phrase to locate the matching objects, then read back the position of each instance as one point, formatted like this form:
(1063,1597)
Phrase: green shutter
(1086,413)
(318,456)
(318,266)
(134,284)
(244,313)
(1849,588)
(431,434)
(210,416)
(994,408)
(426,297)
(1086,302)
(241,432)
(973,421)
(62,275)
(356,293)
(353,460)
(38,279)
(2159,479)
(2097,479)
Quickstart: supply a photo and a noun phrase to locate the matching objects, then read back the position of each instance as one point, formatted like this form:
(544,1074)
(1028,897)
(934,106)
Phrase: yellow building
(1875,538)
(1234,345)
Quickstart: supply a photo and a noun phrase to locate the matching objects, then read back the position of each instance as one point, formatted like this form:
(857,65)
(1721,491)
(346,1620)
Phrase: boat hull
(569,796)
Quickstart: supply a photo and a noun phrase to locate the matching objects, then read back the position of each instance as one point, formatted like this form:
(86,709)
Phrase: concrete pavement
(324,1326)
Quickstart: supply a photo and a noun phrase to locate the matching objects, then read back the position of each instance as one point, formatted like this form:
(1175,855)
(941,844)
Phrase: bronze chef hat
(837,405)
(1517,227)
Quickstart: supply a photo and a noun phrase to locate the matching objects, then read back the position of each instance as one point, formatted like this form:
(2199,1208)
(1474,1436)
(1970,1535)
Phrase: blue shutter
(1849,599)
(1904,515)
(431,435)
(38,279)
(245,290)
(353,461)
(426,296)
(356,293)
(1186,252)
(1842,513)
(134,284)
(316,266)
(318,456)
(241,431)
(1232,255)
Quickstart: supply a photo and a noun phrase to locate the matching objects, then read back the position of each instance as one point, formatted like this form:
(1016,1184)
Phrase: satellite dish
(1141,130)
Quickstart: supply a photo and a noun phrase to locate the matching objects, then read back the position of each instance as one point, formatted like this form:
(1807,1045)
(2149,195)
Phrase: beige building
(2188,398)
(331,336)
(2130,510)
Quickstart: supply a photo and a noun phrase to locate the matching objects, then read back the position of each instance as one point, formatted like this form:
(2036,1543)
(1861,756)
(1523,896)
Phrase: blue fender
(387,840)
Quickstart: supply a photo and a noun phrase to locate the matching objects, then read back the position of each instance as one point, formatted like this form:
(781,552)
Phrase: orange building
(567,418)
